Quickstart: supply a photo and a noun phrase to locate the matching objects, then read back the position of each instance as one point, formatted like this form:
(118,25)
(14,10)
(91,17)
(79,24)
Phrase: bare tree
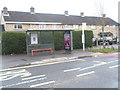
(99,5)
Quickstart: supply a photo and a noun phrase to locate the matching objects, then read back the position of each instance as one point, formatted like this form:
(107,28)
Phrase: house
(21,21)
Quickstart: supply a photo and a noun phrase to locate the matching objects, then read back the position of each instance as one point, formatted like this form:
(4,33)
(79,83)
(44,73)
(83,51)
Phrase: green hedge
(58,40)
(77,39)
(13,42)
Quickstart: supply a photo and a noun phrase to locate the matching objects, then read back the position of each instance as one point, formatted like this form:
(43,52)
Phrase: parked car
(106,40)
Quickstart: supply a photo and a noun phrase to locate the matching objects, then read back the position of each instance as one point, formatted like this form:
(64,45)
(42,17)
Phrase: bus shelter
(43,40)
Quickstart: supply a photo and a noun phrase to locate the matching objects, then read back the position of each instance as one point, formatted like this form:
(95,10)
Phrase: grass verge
(103,50)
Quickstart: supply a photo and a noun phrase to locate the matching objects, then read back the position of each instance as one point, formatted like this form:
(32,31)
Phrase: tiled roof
(15,16)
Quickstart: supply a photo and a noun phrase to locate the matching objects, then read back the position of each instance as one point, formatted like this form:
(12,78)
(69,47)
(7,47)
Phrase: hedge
(15,42)
(58,40)
(77,39)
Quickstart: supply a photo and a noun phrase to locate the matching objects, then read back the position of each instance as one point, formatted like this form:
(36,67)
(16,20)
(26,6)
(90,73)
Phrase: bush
(13,42)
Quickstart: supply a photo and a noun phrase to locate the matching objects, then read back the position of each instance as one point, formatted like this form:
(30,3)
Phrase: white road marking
(112,61)
(115,66)
(102,63)
(73,69)
(24,82)
(12,74)
(33,77)
(26,75)
(85,74)
(97,61)
(41,84)
(96,65)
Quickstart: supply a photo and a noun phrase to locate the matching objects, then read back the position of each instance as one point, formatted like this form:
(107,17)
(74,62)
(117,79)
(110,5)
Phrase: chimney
(104,15)
(66,13)
(32,10)
(5,11)
(82,14)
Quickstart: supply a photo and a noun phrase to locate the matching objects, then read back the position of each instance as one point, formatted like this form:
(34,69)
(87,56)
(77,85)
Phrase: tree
(101,21)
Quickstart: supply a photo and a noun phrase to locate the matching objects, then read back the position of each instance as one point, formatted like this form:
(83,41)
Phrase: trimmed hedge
(77,39)
(58,40)
(13,42)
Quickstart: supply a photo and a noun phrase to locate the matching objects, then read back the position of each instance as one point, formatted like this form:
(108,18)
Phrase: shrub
(13,42)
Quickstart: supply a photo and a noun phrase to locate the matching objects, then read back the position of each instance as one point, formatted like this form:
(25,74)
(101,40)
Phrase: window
(75,26)
(65,26)
(18,26)
(113,27)
(100,27)
(42,26)
(107,27)
(54,26)
(93,27)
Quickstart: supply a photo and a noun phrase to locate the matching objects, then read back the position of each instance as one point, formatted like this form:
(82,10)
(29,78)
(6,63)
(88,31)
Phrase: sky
(74,7)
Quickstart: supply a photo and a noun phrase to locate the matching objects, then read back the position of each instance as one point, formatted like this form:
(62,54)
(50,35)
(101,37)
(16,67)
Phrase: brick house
(21,21)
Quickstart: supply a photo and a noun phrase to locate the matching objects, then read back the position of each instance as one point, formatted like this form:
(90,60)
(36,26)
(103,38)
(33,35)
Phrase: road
(89,72)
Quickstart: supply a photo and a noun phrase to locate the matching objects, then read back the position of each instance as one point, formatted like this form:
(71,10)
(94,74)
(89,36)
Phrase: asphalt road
(90,72)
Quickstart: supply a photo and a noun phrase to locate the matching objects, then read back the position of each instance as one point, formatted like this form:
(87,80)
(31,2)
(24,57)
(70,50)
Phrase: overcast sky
(89,7)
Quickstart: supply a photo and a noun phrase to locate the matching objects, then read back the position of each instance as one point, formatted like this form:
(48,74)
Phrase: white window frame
(16,26)
(54,26)
(75,26)
(93,27)
(113,27)
(42,26)
(107,27)
(100,27)
(65,26)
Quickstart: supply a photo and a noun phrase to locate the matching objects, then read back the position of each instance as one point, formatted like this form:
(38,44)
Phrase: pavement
(9,61)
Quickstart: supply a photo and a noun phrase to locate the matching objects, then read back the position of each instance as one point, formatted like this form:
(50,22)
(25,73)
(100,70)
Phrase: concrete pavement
(21,60)
(45,57)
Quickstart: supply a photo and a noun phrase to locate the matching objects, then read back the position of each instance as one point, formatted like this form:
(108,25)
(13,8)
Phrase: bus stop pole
(83,35)
(71,40)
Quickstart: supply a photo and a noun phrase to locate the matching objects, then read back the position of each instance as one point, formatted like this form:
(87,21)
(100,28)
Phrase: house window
(93,27)
(65,26)
(54,26)
(113,27)
(75,26)
(42,26)
(107,27)
(100,27)
(18,26)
